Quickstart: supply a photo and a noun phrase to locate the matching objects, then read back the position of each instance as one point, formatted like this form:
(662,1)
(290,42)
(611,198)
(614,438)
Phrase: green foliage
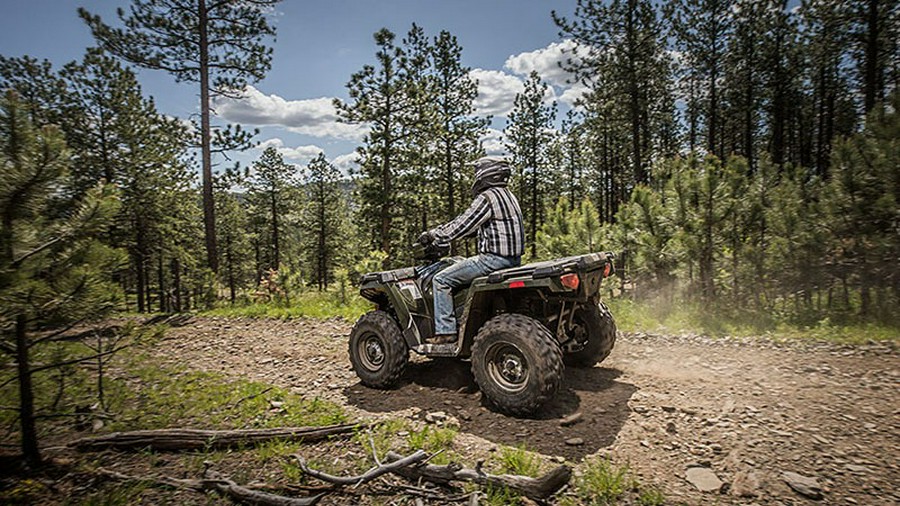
(433,440)
(499,496)
(602,482)
(323,222)
(528,138)
(418,101)
(306,304)
(568,231)
(53,270)
(519,461)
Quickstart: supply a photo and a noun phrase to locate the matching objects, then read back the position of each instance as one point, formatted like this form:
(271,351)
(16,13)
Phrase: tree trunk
(276,263)
(778,107)
(209,215)
(161,281)
(229,257)
(534,209)
(872,83)
(386,187)
(139,275)
(712,140)
(451,203)
(26,396)
(176,270)
(538,489)
(192,439)
(323,264)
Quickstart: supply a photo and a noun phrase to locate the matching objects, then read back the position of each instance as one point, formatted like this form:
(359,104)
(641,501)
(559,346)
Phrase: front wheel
(516,363)
(593,325)
(377,350)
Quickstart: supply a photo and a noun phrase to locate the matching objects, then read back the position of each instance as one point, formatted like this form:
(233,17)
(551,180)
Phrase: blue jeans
(457,275)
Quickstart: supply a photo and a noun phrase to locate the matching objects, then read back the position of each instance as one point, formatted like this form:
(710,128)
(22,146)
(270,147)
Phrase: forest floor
(681,412)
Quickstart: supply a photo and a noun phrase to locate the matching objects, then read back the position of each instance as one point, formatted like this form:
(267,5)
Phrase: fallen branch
(369,475)
(194,439)
(415,467)
(219,484)
(533,488)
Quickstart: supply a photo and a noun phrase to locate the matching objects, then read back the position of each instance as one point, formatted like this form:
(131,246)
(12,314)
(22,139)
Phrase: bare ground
(746,410)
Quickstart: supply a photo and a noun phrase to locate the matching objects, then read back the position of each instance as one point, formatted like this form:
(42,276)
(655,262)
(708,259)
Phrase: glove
(426,238)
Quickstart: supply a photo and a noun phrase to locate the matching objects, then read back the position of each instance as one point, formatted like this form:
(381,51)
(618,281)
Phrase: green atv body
(517,326)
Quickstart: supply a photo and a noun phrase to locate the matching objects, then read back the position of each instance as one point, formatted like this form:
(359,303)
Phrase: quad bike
(518,326)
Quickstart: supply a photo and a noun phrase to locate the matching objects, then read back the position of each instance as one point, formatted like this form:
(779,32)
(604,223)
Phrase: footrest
(437,350)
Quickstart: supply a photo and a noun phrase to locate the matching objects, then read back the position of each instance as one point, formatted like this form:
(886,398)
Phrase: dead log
(220,484)
(195,439)
(369,475)
(533,488)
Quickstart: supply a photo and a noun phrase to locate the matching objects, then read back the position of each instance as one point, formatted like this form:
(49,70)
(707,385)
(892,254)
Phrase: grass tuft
(518,460)
(602,482)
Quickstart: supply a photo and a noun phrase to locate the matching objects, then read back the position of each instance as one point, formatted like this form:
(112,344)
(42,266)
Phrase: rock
(853,468)
(436,417)
(728,407)
(571,419)
(803,485)
(746,484)
(670,428)
(703,479)
(575,441)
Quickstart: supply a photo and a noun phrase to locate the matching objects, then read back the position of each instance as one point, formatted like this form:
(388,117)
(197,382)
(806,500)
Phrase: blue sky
(319,45)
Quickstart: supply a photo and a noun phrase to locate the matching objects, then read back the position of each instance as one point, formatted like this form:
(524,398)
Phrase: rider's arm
(466,223)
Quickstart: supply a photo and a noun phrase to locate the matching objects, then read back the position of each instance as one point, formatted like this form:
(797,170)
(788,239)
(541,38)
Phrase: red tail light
(517,284)
(607,270)
(570,281)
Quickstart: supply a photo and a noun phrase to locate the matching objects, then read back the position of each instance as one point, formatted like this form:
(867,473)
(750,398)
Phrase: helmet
(490,171)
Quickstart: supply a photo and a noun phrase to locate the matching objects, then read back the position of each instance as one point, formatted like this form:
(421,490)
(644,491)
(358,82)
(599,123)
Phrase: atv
(518,326)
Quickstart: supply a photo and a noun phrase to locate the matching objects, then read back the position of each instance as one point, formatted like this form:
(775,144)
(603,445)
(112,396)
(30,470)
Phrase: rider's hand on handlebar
(426,238)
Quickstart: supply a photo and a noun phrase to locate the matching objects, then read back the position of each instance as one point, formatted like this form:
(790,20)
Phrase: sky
(319,44)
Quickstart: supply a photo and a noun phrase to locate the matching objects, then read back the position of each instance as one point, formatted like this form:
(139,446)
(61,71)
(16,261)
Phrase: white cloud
(315,117)
(492,142)
(546,61)
(300,154)
(496,91)
(346,163)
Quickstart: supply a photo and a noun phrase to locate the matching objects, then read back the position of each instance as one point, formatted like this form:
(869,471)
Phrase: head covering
(490,171)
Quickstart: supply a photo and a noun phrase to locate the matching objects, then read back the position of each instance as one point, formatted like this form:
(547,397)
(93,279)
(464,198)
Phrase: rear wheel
(593,324)
(377,350)
(516,363)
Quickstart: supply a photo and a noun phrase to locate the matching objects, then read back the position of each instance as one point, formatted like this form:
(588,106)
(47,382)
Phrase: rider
(496,217)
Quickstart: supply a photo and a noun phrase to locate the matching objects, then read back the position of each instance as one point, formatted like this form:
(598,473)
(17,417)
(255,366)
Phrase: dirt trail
(746,411)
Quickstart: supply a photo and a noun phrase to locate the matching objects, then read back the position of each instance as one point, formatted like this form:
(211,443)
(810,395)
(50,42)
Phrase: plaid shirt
(496,216)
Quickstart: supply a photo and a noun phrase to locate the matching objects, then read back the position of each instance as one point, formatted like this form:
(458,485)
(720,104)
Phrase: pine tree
(233,237)
(121,138)
(322,220)
(825,44)
(379,98)
(702,29)
(863,205)
(620,56)
(528,136)
(270,185)
(41,90)
(218,45)
(459,131)
(52,270)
